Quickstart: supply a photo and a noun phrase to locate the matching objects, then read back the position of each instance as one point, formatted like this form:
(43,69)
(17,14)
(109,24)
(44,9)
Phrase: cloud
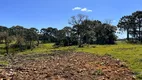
(86,10)
(76,8)
(82,9)
(89,10)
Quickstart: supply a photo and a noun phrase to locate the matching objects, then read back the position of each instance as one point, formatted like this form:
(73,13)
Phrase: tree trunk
(80,42)
(140,37)
(6,46)
(139,33)
(31,45)
(128,34)
(38,42)
(20,46)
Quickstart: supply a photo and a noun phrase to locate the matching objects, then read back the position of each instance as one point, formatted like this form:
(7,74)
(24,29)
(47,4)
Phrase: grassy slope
(130,53)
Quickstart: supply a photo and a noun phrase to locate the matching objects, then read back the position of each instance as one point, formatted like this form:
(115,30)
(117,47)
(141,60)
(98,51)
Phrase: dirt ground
(67,66)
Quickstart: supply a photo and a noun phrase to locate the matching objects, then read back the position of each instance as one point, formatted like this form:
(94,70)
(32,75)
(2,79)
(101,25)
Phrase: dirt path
(70,66)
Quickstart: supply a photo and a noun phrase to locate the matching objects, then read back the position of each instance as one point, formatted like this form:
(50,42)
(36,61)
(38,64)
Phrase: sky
(56,13)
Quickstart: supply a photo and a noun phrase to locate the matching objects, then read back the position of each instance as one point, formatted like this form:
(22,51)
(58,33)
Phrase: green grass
(2,45)
(1,48)
(45,48)
(3,62)
(130,53)
(42,48)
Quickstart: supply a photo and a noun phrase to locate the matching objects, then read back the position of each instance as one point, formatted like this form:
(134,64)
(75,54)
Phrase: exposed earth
(67,66)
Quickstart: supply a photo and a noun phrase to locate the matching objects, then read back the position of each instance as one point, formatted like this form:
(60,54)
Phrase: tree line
(83,31)
(19,37)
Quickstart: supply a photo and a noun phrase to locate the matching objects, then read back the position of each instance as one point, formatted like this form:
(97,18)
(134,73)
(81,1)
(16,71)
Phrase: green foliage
(105,34)
(48,35)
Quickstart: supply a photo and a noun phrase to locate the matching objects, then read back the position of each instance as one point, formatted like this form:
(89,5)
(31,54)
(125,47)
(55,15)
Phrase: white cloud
(76,8)
(82,9)
(86,10)
(89,10)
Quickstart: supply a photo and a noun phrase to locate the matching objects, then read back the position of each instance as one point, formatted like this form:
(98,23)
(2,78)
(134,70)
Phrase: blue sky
(56,13)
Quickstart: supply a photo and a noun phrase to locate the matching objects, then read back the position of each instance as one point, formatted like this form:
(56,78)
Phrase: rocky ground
(67,66)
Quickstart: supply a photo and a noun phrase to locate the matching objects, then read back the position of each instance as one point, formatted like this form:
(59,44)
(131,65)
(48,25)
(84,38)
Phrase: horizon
(43,14)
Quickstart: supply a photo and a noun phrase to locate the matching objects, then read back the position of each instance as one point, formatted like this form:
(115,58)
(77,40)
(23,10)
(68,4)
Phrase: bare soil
(67,66)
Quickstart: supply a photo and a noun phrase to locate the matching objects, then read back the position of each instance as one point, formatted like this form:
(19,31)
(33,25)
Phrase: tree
(48,34)
(138,22)
(35,35)
(67,31)
(2,29)
(60,38)
(44,35)
(76,21)
(125,24)
(105,34)
(89,30)
(19,33)
(67,34)
(132,24)
(4,36)
(31,36)
(7,40)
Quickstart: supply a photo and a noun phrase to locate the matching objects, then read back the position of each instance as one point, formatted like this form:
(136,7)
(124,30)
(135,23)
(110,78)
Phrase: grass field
(129,53)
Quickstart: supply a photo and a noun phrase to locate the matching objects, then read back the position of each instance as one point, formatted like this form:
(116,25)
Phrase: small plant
(139,76)
(98,72)
(140,60)
(93,46)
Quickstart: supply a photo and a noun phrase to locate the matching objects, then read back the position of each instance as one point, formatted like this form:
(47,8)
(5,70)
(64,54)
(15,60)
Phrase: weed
(98,72)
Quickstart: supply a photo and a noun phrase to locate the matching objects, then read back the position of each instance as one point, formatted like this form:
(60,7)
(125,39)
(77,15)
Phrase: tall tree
(76,21)
(132,24)
(105,34)
(19,33)
(2,29)
(67,33)
(125,24)
(49,34)
(31,35)
(138,22)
